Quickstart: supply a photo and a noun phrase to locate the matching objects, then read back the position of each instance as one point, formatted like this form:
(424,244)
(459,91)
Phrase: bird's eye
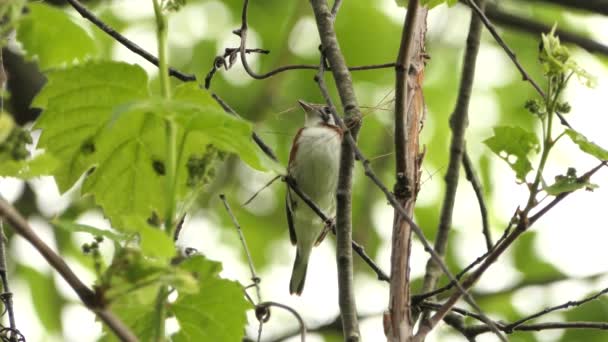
(326,114)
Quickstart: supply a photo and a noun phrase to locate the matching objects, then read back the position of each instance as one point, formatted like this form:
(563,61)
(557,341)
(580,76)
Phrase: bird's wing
(289,207)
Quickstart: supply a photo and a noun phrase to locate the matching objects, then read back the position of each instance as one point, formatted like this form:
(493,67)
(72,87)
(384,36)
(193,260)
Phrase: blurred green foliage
(367,35)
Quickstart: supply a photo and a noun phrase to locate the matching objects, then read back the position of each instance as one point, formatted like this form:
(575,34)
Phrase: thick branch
(409,115)
(86,295)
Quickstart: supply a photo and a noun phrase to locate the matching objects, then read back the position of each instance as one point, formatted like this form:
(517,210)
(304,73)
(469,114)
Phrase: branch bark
(344,255)
(86,295)
(409,115)
(459,121)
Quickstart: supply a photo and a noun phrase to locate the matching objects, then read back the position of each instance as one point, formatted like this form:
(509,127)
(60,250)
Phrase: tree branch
(522,225)
(511,54)
(409,116)
(594,6)
(458,123)
(469,170)
(331,49)
(518,23)
(89,298)
(510,327)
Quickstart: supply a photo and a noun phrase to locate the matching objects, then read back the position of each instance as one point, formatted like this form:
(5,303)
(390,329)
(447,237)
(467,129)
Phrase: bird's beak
(306,106)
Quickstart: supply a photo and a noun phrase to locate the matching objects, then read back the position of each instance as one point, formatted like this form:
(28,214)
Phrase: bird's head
(316,114)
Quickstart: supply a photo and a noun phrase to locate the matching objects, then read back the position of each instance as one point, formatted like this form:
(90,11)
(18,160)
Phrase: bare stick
(469,170)
(266,305)
(86,295)
(521,227)
(409,116)
(254,276)
(510,327)
(459,121)
(85,13)
(523,24)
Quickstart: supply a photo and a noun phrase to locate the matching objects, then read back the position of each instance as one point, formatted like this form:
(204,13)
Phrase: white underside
(315,169)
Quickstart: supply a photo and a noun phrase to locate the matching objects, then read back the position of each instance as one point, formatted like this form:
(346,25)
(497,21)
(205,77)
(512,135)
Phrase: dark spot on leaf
(154,220)
(159,167)
(87,147)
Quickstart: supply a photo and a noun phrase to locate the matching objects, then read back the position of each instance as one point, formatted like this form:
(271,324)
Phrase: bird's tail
(298,275)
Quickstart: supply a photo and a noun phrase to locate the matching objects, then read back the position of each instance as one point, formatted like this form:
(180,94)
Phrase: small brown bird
(313,164)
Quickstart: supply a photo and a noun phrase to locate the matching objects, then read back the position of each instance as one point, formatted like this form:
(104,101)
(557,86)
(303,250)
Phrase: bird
(314,161)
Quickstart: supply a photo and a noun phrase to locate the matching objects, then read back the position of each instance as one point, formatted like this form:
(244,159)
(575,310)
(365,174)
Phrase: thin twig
(86,295)
(469,170)
(7,296)
(85,13)
(519,23)
(266,305)
(500,247)
(510,327)
(593,6)
(254,277)
(511,54)
(327,220)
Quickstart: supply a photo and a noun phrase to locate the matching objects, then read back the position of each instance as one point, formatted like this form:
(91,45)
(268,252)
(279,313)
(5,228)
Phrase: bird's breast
(315,164)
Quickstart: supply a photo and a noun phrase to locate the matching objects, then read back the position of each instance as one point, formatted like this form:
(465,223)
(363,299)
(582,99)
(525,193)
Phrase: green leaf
(77,102)
(153,241)
(43,164)
(49,36)
(510,143)
(216,312)
(568,183)
(587,146)
(71,226)
(226,132)
(129,178)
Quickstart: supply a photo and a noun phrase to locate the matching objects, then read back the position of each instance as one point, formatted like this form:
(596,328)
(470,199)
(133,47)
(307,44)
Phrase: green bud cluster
(13,142)
(201,168)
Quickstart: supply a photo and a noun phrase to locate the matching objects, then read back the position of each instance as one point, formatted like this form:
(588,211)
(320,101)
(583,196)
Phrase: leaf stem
(171,167)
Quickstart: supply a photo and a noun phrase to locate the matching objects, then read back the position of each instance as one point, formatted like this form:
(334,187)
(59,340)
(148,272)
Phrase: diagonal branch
(519,23)
(89,298)
(511,54)
(459,121)
(469,170)
(501,246)
(510,327)
(594,6)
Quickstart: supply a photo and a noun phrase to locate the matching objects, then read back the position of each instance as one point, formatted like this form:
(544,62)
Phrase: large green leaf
(216,312)
(513,145)
(49,36)
(594,311)
(77,102)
